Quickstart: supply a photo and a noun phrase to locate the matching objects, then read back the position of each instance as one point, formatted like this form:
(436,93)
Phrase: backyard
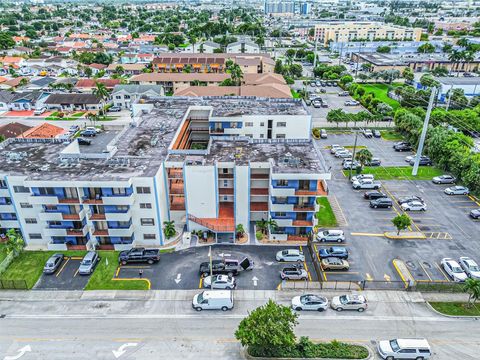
(325,216)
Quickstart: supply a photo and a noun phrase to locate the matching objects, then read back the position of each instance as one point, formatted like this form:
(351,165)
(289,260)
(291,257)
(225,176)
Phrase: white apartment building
(347,31)
(208,163)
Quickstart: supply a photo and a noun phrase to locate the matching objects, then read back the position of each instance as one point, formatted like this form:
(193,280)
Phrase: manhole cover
(411,265)
(427,265)
(419,274)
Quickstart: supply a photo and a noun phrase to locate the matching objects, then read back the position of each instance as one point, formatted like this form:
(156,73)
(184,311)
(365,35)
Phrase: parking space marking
(118,270)
(368,277)
(200,283)
(320,263)
(76,258)
(63,267)
(342,272)
(134,267)
(438,235)
(442,271)
(366,234)
(306,267)
(475,200)
(425,271)
(76,272)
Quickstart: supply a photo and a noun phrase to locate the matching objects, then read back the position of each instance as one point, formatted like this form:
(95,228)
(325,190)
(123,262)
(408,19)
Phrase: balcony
(43,200)
(4,208)
(225,176)
(259,206)
(304,208)
(118,216)
(59,216)
(283,222)
(281,207)
(100,232)
(320,191)
(306,223)
(77,232)
(118,200)
(69,200)
(121,231)
(93,201)
(9,224)
(260,176)
(94,217)
(259,191)
(282,192)
(225,191)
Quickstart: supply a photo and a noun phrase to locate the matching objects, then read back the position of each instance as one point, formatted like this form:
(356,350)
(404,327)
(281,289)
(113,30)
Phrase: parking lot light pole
(211,267)
(353,155)
(424,132)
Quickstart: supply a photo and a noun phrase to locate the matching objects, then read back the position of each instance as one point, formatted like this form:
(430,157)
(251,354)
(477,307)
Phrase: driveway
(65,278)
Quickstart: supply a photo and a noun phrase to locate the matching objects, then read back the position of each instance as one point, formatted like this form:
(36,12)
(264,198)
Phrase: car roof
(335,231)
(338,248)
(333,260)
(413,343)
(89,255)
(216,294)
(293,251)
(356,297)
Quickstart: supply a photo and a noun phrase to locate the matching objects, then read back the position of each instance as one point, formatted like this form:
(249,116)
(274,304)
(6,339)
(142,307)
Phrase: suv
(323,134)
(53,263)
(383,202)
(368,133)
(334,263)
(309,302)
(366,184)
(331,235)
(402,146)
(349,302)
(409,198)
(362,177)
(334,251)
(228,267)
(444,179)
(372,195)
(290,255)
(424,161)
(470,266)
(88,133)
(454,270)
(293,273)
(404,349)
(89,261)
(414,206)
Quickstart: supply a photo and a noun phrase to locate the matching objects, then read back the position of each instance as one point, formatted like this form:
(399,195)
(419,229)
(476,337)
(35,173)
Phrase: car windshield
(456,269)
(343,299)
(86,262)
(49,265)
(200,298)
(394,345)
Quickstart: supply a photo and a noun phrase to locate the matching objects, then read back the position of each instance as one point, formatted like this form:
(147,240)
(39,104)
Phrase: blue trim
(157,204)
(166,191)
(217,198)
(16,212)
(185,195)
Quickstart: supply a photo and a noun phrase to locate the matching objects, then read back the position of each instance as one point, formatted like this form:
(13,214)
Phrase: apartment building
(346,31)
(213,63)
(208,163)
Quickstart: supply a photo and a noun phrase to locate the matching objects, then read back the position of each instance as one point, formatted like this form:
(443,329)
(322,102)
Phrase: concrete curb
(451,316)
(247,356)
(413,235)
(403,272)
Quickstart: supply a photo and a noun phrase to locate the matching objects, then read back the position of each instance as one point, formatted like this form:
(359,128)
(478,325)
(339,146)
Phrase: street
(162,324)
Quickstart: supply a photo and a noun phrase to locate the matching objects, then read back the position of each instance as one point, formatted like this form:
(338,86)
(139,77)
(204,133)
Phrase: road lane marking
(63,266)
(365,234)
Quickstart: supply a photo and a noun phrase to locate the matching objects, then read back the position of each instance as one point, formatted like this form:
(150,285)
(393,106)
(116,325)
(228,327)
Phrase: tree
(428,81)
(346,79)
(426,48)
(366,66)
(447,48)
(336,115)
(15,242)
(455,57)
(119,70)
(401,222)
(278,67)
(6,41)
(440,71)
(472,288)
(239,231)
(169,229)
(364,157)
(268,330)
(235,71)
(272,225)
(458,99)
(384,49)
(100,91)
(262,225)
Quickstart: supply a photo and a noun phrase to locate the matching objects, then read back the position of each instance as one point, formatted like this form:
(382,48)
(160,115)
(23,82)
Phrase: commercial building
(208,163)
(279,7)
(346,31)
(396,47)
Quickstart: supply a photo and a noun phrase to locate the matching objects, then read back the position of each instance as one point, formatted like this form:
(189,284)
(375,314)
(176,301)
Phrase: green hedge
(305,348)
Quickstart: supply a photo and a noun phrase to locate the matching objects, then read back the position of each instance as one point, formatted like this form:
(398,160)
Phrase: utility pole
(353,155)
(341,53)
(315,51)
(211,267)
(358,58)
(450,96)
(424,132)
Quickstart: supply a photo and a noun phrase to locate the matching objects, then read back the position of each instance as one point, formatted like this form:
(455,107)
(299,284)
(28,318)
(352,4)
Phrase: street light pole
(353,155)
(315,51)
(424,132)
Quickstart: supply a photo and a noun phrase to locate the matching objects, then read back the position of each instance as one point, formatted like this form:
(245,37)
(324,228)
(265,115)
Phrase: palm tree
(119,70)
(472,287)
(271,225)
(455,57)
(100,91)
(261,225)
(239,231)
(169,229)
(363,156)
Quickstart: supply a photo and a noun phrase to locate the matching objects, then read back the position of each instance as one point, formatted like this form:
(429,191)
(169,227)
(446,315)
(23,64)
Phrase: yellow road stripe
(63,266)
(365,234)
(76,257)
(200,284)
(149,284)
(76,272)
(474,200)
(118,270)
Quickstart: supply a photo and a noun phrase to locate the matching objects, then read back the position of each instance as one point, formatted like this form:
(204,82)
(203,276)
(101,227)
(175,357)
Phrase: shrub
(259,235)
(316,133)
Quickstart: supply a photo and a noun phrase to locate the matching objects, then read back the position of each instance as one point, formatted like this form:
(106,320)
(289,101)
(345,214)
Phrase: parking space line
(342,272)
(76,257)
(425,271)
(76,272)
(474,200)
(365,234)
(306,267)
(63,267)
(443,272)
(135,267)
(200,284)
(320,263)
(118,270)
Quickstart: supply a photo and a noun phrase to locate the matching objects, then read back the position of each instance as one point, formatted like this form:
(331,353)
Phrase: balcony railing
(302,223)
(304,208)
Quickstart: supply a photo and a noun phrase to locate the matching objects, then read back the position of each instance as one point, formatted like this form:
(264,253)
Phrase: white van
(39,111)
(213,300)
(418,349)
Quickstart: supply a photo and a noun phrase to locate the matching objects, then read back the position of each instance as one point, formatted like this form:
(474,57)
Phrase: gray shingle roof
(138,89)
(72,99)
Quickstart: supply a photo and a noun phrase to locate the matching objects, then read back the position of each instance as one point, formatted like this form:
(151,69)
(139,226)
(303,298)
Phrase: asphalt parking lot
(449,231)
(179,270)
(333,100)
(65,278)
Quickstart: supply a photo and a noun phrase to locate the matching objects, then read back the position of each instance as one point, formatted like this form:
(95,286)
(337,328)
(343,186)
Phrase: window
(119,191)
(21,189)
(145,206)
(122,208)
(225,183)
(3,184)
(282,182)
(262,136)
(249,135)
(51,207)
(262,124)
(118,97)
(225,198)
(281,200)
(149,236)
(281,214)
(35,236)
(143,190)
(249,124)
(224,171)
(147,222)
(26,206)
(55,223)
(46,191)
(127,96)
(281,124)
(280,136)
(30,220)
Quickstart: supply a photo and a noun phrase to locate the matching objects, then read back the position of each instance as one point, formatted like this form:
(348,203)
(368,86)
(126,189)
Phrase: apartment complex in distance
(346,31)
(208,163)
(213,63)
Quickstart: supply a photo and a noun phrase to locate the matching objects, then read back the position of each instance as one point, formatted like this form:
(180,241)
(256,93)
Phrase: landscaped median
(409,235)
(400,172)
(325,216)
(455,308)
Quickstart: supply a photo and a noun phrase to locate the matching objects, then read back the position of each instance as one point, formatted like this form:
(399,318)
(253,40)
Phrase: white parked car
(331,235)
(91,128)
(454,270)
(349,302)
(39,111)
(310,302)
(404,349)
(457,190)
(290,255)
(335,147)
(366,184)
(343,154)
(220,282)
(414,206)
(362,177)
(470,266)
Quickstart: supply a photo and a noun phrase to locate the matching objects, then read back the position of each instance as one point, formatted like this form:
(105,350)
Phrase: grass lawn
(101,279)
(295,94)
(325,216)
(381,93)
(391,135)
(400,172)
(456,308)
(3,253)
(28,265)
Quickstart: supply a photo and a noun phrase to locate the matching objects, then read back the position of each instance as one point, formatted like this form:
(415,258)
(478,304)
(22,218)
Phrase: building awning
(162,65)
(197,65)
(179,65)
(214,65)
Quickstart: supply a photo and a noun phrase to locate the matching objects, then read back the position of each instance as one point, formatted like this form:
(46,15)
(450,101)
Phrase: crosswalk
(438,235)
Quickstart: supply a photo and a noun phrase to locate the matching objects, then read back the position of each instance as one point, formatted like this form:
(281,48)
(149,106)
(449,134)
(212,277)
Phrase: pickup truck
(139,255)
(366,184)
(230,267)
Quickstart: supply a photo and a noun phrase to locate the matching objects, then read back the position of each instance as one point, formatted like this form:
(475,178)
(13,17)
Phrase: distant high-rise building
(279,6)
(305,8)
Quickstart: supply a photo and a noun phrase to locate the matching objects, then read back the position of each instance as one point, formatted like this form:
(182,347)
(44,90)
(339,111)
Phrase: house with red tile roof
(13,129)
(43,131)
(87,85)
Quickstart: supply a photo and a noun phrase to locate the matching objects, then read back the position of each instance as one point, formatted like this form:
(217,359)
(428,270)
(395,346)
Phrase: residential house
(15,62)
(19,101)
(73,102)
(13,129)
(41,83)
(43,131)
(12,83)
(87,85)
(128,69)
(96,68)
(19,50)
(125,95)
(243,47)
(206,47)
(173,82)
(273,91)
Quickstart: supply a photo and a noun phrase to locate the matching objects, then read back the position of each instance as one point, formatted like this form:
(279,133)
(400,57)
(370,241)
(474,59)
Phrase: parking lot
(65,278)
(449,231)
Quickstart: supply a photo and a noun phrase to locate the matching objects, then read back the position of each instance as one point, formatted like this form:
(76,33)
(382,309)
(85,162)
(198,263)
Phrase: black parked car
(381,203)
(373,195)
(82,141)
(402,146)
(230,267)
(139,255)
(374,162)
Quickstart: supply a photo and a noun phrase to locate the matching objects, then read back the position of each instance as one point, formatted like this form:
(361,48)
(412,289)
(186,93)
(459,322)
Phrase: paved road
(74,325)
